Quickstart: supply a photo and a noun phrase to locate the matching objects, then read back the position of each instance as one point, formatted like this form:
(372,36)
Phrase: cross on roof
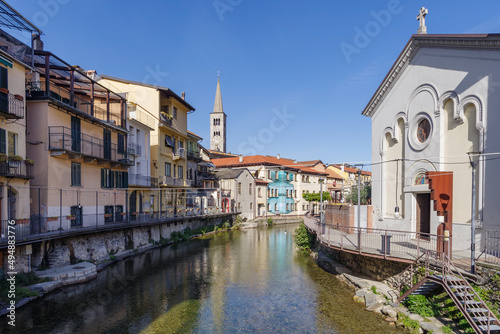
(421,17)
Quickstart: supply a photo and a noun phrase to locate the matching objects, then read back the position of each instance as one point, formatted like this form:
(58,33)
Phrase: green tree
(366,195)
(316,197)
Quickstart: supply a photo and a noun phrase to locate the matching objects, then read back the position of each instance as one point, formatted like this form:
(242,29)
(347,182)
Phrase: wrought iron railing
(11,106)
(179,154)
(491,249)
(135,149)
(193,154)
(18,169)
(64,139)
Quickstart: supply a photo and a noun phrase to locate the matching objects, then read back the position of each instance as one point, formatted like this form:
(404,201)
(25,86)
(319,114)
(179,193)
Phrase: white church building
(439,103)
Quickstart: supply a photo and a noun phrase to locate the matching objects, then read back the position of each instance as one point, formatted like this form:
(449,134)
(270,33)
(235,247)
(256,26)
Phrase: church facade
(437,110)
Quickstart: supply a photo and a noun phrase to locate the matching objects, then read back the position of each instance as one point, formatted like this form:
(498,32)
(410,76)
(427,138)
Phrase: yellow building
(15,170)
(78,139)
(168,140)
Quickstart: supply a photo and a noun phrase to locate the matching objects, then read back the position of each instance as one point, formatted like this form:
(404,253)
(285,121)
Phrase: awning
(168,141)
(6,62)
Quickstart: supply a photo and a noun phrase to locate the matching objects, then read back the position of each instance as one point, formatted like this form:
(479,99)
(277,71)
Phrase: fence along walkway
(399,245)
(430,271)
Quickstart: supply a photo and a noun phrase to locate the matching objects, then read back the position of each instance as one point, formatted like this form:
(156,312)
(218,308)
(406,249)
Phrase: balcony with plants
(15,166)
(70,88)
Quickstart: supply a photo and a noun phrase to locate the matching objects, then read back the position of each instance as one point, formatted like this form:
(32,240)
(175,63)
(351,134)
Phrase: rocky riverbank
(380,298)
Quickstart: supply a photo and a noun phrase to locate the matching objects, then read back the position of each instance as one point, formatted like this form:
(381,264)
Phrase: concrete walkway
(70,274)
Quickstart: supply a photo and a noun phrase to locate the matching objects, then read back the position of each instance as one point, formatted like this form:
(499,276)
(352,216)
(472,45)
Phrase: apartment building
(77,136)
(284,180)
(168,140)
(15,170)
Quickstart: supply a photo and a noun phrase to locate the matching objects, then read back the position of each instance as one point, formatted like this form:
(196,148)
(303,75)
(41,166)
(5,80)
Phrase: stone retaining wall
(99,246)
(374,268)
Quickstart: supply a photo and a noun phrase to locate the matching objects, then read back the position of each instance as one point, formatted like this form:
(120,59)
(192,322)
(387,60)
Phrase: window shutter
(112,179)
(103,178)
(125,179)
(3,148)
(3,78)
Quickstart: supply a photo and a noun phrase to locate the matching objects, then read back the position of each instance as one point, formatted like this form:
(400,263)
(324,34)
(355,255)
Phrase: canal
(249,281)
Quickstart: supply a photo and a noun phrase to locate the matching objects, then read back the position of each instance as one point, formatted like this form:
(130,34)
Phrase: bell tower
(218,123)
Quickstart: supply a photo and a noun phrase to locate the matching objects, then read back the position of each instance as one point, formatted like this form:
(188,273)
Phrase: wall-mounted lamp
(396,212)
(154,164)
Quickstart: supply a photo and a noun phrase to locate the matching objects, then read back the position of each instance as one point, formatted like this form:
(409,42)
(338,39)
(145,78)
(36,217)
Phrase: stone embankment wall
(100,246)
(374,268)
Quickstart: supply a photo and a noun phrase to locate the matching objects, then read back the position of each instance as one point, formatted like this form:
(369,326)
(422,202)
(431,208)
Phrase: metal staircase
(428,273)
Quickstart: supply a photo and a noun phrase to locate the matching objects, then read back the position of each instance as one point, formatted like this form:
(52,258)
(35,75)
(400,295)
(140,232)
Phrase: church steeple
(218,98)
(218,123)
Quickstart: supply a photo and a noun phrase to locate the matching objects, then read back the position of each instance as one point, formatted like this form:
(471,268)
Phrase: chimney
(278,156)
(183,95)
(36,42)
(240,158)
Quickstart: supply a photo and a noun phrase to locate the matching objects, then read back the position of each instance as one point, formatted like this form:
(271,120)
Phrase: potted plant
(33,89)
(134,213)
(22,221)
(70,217)
(29,162)
(4,90)
(18,97)
(108,215)
(3,157)
(52,219)
(16,158)
(123,213)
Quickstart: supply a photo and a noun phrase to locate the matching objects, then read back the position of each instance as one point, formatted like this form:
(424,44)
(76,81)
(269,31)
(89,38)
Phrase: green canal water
(250,281)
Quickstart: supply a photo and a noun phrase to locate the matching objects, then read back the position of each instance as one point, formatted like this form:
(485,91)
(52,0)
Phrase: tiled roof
(310,163)
(256,160)
(333,174)
(193,134)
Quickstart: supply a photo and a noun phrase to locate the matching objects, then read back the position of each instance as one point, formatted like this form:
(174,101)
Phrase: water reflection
(243,282)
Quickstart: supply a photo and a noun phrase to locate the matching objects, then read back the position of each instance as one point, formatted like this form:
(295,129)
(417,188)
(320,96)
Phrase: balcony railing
(135,149)
(16,169)
(206,175)
(193,154)
(171,181)
(165,119)
(142,180)
(178,154)
(64,139)
(11,106)
(37,90)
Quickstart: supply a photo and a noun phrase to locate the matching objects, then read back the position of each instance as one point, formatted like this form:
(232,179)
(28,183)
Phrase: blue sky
(295,76)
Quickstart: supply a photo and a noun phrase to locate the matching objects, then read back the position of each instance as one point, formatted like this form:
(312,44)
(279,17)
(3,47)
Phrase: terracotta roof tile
(255,160)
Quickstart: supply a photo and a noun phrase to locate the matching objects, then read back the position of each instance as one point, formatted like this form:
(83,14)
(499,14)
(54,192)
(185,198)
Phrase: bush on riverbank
(22,280)
(303,239)
(187,233)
